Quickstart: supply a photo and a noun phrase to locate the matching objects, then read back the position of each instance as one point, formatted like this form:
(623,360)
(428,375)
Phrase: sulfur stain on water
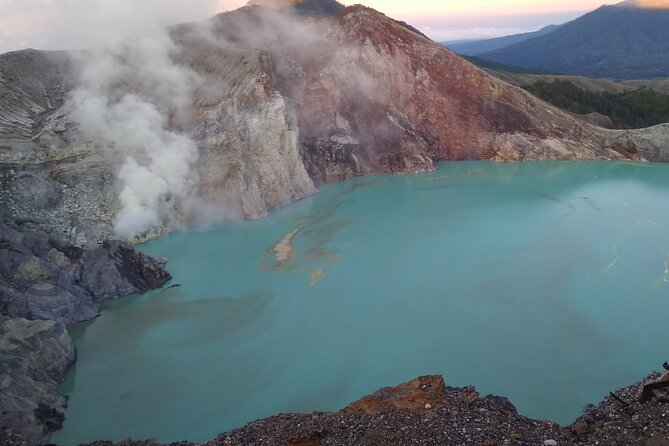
(284,250)
(654,225)
(316,276)
(616,257)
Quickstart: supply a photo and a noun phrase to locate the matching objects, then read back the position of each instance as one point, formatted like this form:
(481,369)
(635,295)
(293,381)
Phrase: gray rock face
(47,180)
(41,278)
(250,155)
(34,356)
(54,181)
(45,286)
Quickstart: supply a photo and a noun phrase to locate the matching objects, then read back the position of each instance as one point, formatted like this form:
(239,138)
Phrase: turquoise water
(544,282)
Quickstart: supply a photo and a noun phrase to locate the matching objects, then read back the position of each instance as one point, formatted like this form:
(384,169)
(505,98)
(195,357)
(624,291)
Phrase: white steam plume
(85,24)
(130,97)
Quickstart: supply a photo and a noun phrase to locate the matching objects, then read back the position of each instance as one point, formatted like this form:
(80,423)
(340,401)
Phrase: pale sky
(58,24)
(430,8)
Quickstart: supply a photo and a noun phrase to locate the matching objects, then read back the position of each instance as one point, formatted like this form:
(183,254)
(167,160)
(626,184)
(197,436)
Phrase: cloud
(77,24)
(451,33)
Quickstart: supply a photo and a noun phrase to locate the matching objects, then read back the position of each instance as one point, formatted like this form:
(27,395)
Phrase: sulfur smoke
(134,100)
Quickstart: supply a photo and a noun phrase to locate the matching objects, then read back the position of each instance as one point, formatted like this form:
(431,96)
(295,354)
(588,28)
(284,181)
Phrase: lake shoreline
(425,411)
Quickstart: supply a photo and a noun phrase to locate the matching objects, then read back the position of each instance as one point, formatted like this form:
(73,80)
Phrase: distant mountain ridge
(477,47)
(629,40)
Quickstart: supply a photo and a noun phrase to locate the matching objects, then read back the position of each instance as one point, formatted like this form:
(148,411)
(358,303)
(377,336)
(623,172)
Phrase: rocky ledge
(46,286)
(42,278)
(34,356)
(427,412)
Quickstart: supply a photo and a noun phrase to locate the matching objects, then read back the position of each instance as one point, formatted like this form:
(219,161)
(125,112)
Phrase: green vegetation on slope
(643,107)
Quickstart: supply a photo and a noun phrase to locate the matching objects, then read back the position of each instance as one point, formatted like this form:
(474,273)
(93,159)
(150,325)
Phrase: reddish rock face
(372,96)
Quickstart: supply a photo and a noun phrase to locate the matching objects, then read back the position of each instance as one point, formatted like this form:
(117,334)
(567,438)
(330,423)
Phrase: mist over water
(545,282)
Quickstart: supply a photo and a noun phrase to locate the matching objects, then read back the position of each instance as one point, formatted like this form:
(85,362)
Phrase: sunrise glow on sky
(430,8)
(71,24)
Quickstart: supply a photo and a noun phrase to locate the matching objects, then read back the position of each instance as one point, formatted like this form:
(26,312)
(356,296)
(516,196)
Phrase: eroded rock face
(250,155)
(46,286)
(41,278)
(374,97)
(34,356)
(52,180)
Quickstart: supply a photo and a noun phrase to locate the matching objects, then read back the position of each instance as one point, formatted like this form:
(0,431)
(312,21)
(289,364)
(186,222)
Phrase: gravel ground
(425,412)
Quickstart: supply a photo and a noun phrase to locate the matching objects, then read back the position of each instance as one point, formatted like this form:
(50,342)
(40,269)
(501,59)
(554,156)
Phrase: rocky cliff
(284,103)
(34,356)
(42,278)
(46,286)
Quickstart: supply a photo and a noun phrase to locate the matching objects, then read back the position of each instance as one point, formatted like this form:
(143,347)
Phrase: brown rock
(413,395)
(581,428)
(469,395)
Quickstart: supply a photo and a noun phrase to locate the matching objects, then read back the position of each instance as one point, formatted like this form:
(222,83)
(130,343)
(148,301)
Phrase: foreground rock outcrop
(34,356)
(45,286)
(42,278)
(427,412)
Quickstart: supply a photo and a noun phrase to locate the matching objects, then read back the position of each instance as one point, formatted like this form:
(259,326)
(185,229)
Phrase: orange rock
(426,391)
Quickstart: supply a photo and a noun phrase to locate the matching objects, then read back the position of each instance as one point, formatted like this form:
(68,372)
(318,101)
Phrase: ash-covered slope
(282,103)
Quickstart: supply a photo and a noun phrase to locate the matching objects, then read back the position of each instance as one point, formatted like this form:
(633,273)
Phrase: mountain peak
(302,7)
(274,3)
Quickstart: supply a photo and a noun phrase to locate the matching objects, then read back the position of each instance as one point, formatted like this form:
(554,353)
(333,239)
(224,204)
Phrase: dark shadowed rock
(34,356)
(41,278)
(302,7)
(36,190)
(54,285)
(46,285)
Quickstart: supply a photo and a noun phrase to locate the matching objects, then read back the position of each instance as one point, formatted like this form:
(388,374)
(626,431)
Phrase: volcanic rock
(34,356)
(394,416)
(42,278)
